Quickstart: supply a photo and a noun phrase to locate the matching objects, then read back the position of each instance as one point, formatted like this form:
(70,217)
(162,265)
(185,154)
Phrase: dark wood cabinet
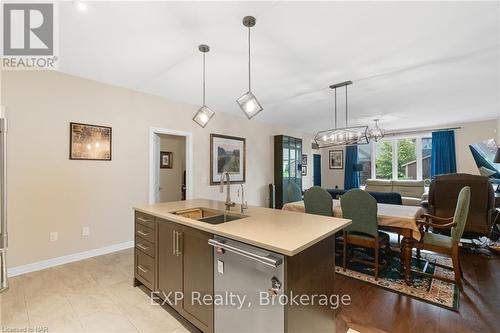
(287,166)
(169,260)
(198,276)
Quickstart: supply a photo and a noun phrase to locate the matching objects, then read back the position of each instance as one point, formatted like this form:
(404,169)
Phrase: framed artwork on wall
(304,159)
(89,142)
(227,153)
(166,160)
(336,159)
(304,170)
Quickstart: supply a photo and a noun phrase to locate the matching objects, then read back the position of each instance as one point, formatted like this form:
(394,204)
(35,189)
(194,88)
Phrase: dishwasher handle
(266,260)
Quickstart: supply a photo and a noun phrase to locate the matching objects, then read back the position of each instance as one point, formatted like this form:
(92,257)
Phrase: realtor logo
(28,36)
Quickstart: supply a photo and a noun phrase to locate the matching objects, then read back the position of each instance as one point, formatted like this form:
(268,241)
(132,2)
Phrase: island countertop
(275,230)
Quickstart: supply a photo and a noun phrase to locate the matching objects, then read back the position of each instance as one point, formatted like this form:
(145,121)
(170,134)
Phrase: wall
(48,192)
(331,177)
(471,132)
(171,179)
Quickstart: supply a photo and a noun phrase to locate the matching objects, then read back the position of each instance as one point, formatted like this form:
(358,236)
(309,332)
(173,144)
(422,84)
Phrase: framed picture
(166,161)
(304,159)
(304,170)
(227,153)
(89,142)
(336,159)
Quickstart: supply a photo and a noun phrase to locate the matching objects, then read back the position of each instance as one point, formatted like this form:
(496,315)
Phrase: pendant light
(248,102)
(204,114)
(342,136)
(376,133)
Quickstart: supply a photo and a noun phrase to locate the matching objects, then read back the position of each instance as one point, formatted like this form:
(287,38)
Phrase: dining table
(394,218)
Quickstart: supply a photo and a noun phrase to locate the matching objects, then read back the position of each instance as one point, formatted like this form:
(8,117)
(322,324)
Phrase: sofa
(412,191)
(381,197)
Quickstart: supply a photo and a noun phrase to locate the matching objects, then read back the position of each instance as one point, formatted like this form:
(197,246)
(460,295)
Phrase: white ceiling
(413,64)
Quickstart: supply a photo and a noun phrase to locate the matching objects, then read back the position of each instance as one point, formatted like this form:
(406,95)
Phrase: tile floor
(93,295)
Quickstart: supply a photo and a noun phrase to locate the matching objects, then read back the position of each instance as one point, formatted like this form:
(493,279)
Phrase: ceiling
(413,64)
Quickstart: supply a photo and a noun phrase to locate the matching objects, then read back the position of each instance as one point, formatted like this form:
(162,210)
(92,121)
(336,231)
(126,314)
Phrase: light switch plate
(220,266)
(85,231)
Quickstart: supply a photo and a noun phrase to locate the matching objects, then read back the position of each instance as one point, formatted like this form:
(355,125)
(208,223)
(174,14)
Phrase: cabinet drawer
(145,219)
(145,267)
(145,246)
(145,232)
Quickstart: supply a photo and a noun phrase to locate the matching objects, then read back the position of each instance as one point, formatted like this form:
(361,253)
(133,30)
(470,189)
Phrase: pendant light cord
(203,78)
(346,122)
(249,80)
(335,108)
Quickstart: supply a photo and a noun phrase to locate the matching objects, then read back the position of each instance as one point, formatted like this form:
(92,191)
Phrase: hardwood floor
(374,309)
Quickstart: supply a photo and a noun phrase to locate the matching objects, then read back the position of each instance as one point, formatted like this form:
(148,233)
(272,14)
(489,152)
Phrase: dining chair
(443,244)
(360,207)
(294,193)
(318,201)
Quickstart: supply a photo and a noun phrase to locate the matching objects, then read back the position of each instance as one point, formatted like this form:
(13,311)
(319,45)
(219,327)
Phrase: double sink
(208,215)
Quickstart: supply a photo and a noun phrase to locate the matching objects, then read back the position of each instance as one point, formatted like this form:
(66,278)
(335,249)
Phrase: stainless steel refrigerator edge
(247,270)
(3,201)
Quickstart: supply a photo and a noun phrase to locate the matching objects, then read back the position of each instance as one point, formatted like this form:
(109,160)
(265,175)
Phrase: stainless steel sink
(218,219)
(208,215)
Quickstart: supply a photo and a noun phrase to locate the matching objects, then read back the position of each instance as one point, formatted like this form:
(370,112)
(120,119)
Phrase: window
(383,162)
(365,159)
(397,158)
(407,158)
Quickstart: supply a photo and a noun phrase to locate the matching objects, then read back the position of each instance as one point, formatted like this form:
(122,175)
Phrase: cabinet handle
(179,243)
(142,247)
(142,269)
(142,233)
(142,219)
(173,242)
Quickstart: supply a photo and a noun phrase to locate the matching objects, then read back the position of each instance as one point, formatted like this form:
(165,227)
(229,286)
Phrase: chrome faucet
(244,204)
(228,202)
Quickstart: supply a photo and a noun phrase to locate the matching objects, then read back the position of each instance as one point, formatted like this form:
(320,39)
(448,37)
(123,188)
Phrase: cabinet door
(198,276)
(169,261)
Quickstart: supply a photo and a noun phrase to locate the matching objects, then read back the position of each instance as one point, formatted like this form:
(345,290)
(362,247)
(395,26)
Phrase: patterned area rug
(424,288)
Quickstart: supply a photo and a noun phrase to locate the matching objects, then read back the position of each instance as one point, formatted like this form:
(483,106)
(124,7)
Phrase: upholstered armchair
(447,245)
(318,201)
(294,193)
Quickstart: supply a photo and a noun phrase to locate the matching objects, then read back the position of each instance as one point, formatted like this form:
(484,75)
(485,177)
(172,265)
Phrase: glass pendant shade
(342,137)
(249,104)
(376,133)
(203,116)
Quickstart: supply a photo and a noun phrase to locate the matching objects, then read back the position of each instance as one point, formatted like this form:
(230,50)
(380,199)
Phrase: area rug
(424,288)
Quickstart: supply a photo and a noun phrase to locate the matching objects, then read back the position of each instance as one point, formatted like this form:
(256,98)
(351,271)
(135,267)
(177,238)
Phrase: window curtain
(351,178)
(443,153)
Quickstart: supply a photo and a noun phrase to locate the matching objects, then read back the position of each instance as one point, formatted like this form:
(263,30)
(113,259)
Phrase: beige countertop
(276,230)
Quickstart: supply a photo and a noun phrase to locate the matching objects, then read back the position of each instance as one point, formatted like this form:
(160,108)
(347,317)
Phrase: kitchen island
(181,246)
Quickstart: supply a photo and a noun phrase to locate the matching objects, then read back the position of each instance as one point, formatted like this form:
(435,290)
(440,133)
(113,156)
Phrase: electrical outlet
(53,236)
(85,231)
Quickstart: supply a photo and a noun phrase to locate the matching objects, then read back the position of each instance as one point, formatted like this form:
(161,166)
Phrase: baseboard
(36,266)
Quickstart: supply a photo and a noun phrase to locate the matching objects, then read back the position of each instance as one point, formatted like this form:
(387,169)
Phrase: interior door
(156,161)
(169,261)
(317,169)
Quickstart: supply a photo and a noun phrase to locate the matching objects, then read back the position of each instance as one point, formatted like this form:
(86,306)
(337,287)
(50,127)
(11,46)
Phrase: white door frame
(154,160)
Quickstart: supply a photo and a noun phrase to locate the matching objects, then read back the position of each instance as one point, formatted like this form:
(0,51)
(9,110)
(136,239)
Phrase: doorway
(170,165)
(317,170)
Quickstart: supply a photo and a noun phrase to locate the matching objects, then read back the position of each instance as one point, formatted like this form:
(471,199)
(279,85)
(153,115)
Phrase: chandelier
(342,136)
(376,133)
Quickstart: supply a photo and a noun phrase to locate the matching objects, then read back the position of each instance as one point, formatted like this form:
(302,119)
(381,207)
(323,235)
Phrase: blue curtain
(351,179)
(443,153)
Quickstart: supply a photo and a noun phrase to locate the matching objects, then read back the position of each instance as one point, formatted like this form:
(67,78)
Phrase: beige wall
(171,179)
(331,177)
(48,192)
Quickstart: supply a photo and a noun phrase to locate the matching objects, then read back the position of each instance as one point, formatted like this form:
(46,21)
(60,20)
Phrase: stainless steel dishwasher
(247,271)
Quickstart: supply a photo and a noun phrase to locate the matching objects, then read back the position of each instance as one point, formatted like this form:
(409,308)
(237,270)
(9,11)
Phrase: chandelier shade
(342,136)
(376,133)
